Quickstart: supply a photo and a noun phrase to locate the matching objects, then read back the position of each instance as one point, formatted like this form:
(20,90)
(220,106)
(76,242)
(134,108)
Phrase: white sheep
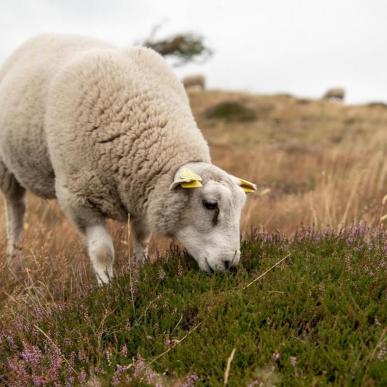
(194,83)
(109,133)
(336,94)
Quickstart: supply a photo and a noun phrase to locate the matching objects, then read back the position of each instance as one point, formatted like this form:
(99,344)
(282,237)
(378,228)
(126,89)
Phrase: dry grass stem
(372,355)
(175,343)
(266,271)
(130,266)
(56,347)
(228,366)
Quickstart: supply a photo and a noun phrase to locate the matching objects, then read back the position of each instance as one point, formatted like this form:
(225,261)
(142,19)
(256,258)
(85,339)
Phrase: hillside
(306,307)
(324,163)
(318,318)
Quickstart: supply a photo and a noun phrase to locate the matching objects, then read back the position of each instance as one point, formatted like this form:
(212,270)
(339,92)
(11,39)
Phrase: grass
(320,163)
(318,318)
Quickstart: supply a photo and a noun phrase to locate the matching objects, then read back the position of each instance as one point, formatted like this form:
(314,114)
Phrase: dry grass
(325,164)
(315,163)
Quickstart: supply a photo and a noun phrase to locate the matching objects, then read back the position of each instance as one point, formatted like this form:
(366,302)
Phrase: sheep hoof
(15,263)
(103,278)
(139,259)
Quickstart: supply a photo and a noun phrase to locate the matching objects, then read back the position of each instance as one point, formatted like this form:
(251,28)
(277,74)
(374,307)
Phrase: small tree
(185,48)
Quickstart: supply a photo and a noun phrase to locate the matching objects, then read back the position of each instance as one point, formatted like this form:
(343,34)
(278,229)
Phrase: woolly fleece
(106,127)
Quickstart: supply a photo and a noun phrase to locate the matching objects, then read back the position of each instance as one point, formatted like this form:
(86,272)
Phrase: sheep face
(210,223)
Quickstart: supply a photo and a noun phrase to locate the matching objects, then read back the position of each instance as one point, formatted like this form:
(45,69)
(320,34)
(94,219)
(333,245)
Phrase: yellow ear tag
(247,186)
(192,184)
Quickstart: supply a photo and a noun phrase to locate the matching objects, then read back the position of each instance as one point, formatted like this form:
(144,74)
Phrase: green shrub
(318,318)
(232,111)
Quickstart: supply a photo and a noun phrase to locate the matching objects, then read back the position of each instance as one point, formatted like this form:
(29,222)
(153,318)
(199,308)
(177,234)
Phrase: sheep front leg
(91,224)
(140,242)
(101,251)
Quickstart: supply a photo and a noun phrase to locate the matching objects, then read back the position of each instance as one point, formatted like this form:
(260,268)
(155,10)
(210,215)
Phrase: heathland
(318,317)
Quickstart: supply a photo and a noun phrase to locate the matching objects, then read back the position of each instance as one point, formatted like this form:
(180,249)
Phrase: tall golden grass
(317,163)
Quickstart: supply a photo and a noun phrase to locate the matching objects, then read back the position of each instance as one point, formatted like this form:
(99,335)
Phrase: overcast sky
(301,46)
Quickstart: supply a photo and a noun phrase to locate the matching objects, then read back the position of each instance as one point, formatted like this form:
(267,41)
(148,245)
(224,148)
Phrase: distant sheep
(109,133)
(194,82)
(337,93)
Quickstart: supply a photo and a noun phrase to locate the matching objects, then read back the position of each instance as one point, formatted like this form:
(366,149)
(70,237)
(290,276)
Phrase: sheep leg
(14,198)
(140,242)
(91,225)
(101,252)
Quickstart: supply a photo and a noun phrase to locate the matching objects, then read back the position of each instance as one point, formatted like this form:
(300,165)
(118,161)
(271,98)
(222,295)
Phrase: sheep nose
(230,267)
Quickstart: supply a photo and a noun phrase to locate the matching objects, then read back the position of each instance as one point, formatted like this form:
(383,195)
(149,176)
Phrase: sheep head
(209,224)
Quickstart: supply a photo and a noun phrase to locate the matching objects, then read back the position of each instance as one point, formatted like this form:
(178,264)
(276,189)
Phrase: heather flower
(82,377)
(108,356)
(34,367)
(168,342)
(70,381)
(142,371)
(117,376)
(189,381)
(38,380)
(31,355)
(161,274)
(139,366)
(124,351)
(19,325)
(10,342)
(56,361)
(18,368)
(81,356)
(97,370)
(61,306)
(116,379)
(382,352)
(179,270)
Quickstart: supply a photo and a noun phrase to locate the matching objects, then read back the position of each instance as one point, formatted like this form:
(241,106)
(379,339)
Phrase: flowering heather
(318,317)
(31,366)
(189,381)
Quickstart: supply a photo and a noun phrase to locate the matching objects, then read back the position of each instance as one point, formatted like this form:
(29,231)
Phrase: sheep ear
(185,178)
(246,185)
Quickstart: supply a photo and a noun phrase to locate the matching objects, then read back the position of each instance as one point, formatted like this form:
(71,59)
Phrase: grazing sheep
(337,93)
(194,82)
(109,133)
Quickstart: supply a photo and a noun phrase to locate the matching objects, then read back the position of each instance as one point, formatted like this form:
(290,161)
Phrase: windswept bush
(231,110)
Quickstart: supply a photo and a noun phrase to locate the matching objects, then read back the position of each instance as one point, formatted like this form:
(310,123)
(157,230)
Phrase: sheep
(193,83)
(337,93)
(109,133)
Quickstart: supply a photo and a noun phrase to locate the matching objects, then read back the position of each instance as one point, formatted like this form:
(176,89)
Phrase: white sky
(298,46)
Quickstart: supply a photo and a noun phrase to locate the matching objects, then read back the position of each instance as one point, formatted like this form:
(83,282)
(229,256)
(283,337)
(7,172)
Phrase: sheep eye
(210,204)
